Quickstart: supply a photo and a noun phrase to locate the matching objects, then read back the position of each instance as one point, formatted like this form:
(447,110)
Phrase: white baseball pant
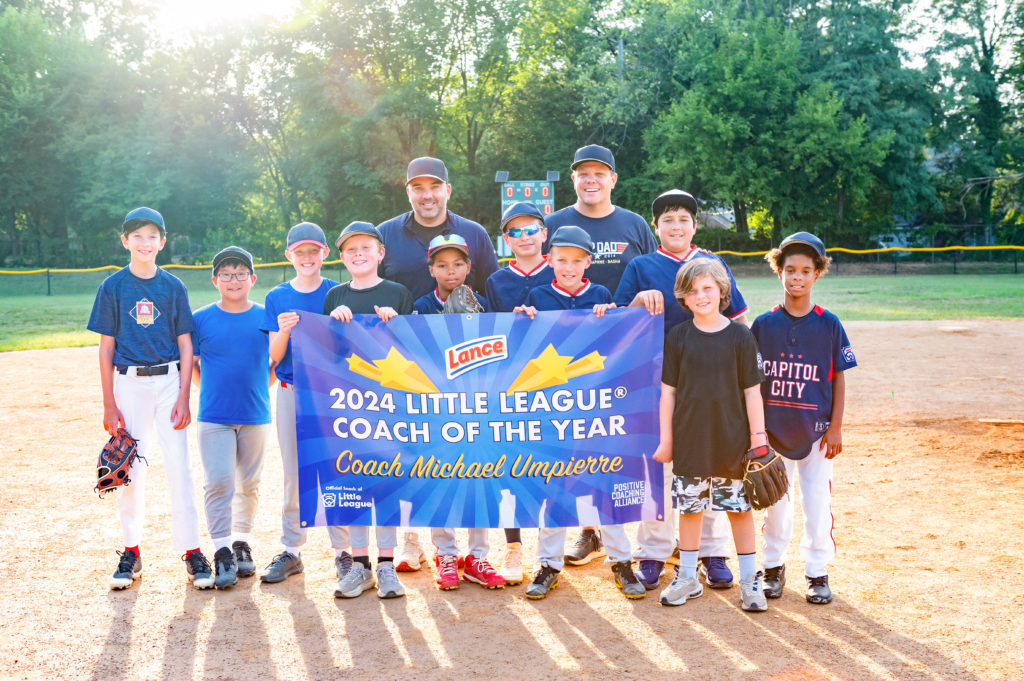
(551,545)
(444,540)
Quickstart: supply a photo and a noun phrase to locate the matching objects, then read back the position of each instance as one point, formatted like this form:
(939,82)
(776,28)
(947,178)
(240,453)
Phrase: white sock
(688,564)
(222,543)
(338,552)
(240,536)
(748,565)
(294,550)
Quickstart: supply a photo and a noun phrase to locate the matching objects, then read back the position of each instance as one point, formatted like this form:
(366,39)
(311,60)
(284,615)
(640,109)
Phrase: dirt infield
(929,578)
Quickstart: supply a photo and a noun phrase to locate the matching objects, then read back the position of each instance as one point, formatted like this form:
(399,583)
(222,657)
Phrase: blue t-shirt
(284,298)
(507,288)
(234,366)
(144,316)
(657,271)
(618,238)
(432,303)
(554,297)
(800,356)
(405,252)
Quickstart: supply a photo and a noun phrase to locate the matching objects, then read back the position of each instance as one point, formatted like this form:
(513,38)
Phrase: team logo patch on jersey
(848,354)
(821,426)
(145,313)
(473,354)
(760,363)
(603,248)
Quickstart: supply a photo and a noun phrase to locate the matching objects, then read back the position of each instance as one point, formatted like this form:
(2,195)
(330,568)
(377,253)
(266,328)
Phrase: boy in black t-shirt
(710,394)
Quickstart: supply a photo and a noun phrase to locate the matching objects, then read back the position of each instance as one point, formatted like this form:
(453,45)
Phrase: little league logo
(760,362)
(329,498)
(145,313)
(848,354)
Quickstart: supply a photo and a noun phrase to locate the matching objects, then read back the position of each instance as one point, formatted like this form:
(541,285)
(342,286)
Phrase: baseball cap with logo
(426,167)
(594,152)
(674,197)
(143,216)
(305,233)
(805,238)
(232,253)
(518,210)
(443,241)
(358,228)
(576,237)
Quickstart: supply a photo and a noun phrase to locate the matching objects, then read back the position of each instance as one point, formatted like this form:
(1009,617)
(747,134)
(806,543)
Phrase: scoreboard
(540,194)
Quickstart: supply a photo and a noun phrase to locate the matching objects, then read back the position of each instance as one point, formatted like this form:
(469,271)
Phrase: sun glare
(183,15)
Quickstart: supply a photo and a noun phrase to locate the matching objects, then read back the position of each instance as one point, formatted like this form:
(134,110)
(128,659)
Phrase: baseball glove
(462,300)
(116,457)
(764,478)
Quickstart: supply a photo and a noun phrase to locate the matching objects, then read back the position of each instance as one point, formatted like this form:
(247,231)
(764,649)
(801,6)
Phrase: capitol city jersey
(800,356)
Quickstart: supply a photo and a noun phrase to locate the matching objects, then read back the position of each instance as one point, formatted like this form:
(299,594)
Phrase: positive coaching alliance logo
(473,354)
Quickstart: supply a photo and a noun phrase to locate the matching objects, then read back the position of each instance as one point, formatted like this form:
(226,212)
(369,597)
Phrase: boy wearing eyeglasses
(232,371)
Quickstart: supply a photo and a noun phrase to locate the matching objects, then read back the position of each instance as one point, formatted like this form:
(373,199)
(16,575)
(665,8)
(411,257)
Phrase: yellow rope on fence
(748,254)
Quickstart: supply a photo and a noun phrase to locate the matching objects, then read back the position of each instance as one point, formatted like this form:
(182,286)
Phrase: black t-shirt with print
(361,301)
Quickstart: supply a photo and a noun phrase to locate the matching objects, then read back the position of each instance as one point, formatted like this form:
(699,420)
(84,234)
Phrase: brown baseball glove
(116,457)
(764,479)
(461,301)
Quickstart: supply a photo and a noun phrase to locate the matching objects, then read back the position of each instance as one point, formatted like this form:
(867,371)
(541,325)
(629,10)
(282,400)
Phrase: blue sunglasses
(516,232)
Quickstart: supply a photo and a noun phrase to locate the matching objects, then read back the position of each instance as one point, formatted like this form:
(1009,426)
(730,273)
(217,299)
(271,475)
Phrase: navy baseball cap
(594,152)
(356,228)
(443,241)
(805,238)
(674,197)
(571,235)
(518,210)
(233,253)
(305,233)
(143,216)
(426,167)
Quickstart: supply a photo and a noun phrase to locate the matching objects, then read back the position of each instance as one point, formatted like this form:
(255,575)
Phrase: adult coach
(406,237)
(619,235)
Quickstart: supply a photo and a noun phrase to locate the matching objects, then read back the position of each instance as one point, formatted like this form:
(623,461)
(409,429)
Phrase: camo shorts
(695,495)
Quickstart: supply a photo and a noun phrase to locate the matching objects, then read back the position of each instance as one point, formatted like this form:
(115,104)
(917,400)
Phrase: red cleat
(480,571)
(447,573)
(462,561)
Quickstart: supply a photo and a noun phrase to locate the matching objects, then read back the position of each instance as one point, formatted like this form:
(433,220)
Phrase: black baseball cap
(233,253)
(805,238)
(426,167)
(674,197)
(305,233)
(594,152)
(355,228)
(571,235)
(518,210)
(143,216)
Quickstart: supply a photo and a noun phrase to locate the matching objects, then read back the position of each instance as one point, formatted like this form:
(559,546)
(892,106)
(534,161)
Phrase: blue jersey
(284,298)
(553,297)
(144,317)
(800,356)
(507,288)
(618,238)
(432,303)
(657,271)
(234,357)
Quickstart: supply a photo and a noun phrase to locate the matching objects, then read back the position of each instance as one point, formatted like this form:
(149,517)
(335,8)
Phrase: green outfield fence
(951,259)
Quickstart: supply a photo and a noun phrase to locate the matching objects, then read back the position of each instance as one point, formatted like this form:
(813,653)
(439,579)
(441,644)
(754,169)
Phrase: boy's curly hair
(697,268)
(777,258)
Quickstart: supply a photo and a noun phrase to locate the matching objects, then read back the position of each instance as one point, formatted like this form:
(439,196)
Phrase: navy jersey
(800,356)
(554,297)
(432,303)
(657,271)
(507,288)
(618,238)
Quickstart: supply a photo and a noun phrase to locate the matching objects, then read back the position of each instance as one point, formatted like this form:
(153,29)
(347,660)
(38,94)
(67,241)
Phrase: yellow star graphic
(551,369)
(394,371)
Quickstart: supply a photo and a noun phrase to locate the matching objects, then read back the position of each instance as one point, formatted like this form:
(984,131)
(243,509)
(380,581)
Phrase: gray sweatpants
(233,465)
(292,532)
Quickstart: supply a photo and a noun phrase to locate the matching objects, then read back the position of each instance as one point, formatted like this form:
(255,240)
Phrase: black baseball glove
(764,478)
(462,301)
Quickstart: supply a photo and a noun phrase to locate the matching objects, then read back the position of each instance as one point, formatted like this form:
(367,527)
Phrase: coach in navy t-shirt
(406,237)
(619,235)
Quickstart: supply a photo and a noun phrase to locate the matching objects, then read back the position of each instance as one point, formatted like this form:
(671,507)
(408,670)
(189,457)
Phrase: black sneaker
(224,567)
(588,546)
(774,580)
(244,564)
(545,580)
(818,591)
(198,569)
(626,580)
(129,566)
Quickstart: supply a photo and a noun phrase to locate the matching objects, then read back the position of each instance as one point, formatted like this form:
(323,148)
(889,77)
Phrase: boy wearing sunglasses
(232,371)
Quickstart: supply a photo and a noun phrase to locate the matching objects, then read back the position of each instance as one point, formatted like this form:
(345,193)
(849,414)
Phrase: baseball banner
(482,420)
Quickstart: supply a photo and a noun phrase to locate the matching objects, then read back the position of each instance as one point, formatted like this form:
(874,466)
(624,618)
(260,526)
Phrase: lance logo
(470,355)
(145,313)
(603,248)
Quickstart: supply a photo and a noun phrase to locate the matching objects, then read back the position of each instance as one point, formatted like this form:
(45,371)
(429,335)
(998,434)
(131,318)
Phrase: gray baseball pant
(232,465)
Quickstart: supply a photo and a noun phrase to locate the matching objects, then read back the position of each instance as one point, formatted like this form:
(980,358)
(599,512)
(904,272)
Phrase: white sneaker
(681,590)
(752,593)
(512,564)
(410,553)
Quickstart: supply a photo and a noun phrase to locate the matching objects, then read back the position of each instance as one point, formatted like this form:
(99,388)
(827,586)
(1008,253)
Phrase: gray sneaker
(681,590)
(752,593)
(282,567)
(342,564)
(244,564)
(544,581)
(388,584)
(225,572)
(354,582)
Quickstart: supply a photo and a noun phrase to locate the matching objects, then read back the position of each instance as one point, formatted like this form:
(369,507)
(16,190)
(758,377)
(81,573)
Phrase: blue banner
(489,420)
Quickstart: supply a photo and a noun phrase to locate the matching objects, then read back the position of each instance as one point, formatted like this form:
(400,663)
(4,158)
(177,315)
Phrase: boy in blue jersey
(448,262)
(569,257)
(806,353)
(306,247)
(145,324)
(232,372)
(648,282)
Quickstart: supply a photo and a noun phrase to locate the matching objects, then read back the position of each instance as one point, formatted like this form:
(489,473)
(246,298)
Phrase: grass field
(29,320)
